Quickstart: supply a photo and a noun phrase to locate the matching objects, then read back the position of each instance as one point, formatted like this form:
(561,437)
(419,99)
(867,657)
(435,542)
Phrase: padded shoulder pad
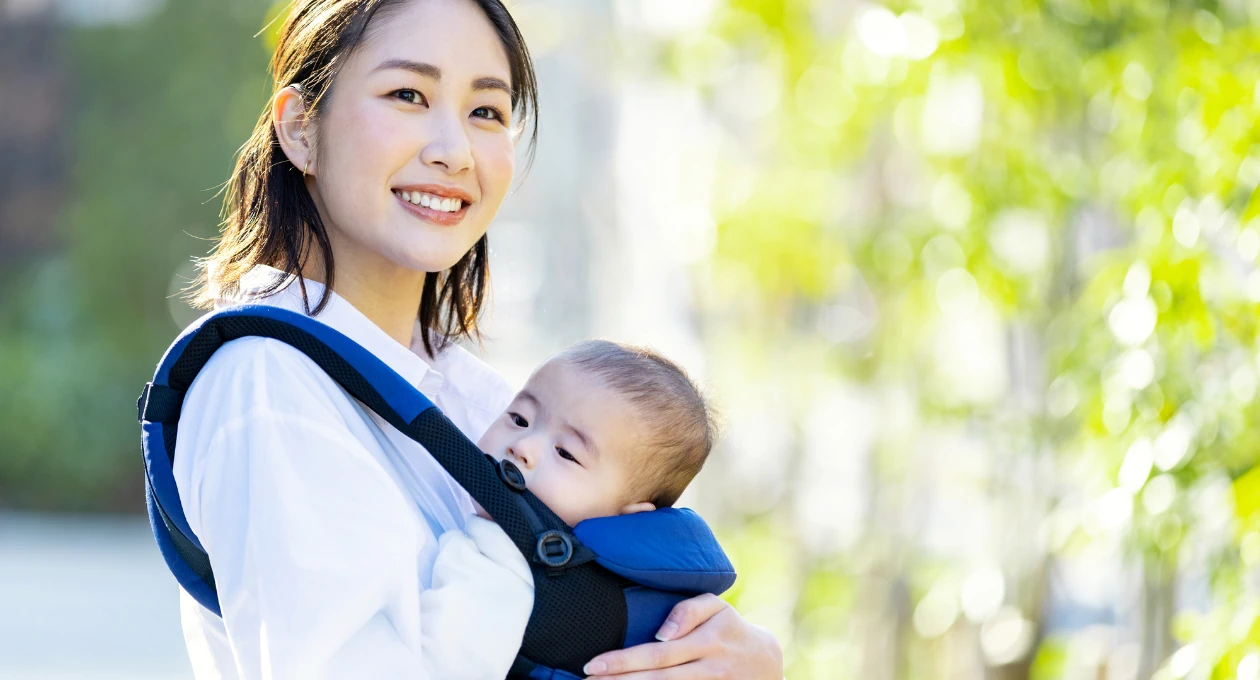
(667,549)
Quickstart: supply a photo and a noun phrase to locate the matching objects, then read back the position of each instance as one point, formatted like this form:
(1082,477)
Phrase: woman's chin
(429,250)
(425,262)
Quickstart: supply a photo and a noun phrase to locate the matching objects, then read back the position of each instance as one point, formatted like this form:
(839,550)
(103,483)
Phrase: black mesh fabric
(578,614)
(579,611)
(470,467)
(170,432)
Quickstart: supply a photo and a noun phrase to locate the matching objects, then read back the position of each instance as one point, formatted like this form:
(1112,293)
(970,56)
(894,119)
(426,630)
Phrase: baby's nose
(521,455)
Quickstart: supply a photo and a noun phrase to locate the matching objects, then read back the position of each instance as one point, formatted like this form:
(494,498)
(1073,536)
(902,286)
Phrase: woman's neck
(388,295)
(388,299)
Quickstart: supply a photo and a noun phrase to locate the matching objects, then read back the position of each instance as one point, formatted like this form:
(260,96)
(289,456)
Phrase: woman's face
(413,149)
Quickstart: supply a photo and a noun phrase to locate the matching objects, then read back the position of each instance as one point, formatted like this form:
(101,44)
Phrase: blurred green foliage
(1066,186)
(159,107)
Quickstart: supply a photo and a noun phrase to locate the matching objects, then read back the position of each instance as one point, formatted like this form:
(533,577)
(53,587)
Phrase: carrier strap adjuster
(558,550)
(511,475)
(159,404)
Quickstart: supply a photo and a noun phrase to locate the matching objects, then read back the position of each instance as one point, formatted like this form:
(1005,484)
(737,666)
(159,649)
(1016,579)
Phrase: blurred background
(974,285)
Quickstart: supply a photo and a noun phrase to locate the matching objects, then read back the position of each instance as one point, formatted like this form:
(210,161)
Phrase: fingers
(689,614)
(711,641)
(690,671)
(677,646)
(653,656)
(671,650)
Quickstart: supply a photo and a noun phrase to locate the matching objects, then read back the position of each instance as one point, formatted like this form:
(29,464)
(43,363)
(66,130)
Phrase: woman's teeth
(430,201)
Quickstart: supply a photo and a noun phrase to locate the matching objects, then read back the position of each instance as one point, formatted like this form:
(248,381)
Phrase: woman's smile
(444,206)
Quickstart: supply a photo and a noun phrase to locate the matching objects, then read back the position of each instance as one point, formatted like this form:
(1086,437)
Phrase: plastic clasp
(555,548)
(511,475)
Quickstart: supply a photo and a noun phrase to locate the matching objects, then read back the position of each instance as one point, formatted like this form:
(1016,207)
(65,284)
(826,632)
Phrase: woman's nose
(449,148)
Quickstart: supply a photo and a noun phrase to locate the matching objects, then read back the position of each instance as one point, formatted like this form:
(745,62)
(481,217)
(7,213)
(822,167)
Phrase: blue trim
(669,549)
(161,479)
(194,586)
(543,673)
(159,483)
(647,609)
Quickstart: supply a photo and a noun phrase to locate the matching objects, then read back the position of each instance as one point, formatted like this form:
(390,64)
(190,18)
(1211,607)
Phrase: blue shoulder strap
(538,533)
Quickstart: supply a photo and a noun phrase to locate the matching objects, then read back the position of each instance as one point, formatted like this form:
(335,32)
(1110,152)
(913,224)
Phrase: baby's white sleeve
(473,617)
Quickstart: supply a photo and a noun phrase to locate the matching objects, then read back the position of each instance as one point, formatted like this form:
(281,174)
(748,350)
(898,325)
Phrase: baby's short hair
(680,423)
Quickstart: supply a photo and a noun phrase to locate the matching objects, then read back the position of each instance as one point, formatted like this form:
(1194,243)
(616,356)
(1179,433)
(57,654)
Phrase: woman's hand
(703,638)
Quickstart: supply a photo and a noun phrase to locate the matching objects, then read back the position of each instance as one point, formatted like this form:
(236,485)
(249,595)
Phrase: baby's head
(605,429)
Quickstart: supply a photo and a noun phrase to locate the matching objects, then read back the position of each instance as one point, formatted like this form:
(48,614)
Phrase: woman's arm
(315,549)
(703,638)
(314,553)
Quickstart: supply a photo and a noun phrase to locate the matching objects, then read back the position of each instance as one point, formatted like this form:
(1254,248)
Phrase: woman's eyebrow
(489,83)
(414,66)
(431,71)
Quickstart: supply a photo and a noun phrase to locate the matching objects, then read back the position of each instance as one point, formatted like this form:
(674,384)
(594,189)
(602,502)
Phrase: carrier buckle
(555,548)
(511,475)
(159,404)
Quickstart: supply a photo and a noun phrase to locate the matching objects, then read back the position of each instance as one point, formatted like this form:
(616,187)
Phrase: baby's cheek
(554,501)
(489,441)
(560,503)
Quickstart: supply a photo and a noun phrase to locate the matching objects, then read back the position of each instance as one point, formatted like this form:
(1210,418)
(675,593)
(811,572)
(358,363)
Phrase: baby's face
(570,435)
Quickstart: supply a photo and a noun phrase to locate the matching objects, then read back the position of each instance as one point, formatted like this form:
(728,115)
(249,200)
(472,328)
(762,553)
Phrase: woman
(363,197)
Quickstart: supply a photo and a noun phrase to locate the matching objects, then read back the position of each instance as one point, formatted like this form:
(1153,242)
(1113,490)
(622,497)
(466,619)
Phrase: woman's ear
(289,117)
(636,507)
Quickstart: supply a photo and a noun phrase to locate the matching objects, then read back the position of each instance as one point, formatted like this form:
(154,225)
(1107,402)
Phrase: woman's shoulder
(263,374)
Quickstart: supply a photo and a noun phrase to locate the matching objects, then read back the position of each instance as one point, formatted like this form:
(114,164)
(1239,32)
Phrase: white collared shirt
(320,519)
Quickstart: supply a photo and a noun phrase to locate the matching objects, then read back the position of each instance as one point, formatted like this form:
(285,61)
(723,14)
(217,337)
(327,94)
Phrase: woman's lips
(439,217)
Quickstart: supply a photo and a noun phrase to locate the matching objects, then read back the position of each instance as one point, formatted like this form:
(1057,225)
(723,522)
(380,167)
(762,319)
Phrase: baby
(605,429)
(599,429)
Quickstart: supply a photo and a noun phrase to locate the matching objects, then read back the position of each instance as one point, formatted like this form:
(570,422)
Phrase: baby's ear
(637,507)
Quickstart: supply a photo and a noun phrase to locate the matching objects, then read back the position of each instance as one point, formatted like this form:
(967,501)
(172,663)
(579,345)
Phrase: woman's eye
(566,455)
(518,420)
(409,96)
(488,113)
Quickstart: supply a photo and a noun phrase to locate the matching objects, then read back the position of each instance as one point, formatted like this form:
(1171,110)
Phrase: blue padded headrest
(667,549)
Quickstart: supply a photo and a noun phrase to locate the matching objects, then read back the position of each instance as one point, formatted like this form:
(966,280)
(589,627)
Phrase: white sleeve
(476,611)
(313,545)
(313,560)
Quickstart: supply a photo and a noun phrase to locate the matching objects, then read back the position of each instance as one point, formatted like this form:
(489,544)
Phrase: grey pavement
(87,598)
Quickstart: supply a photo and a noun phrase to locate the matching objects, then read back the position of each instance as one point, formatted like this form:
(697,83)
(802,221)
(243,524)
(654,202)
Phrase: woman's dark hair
(268,214)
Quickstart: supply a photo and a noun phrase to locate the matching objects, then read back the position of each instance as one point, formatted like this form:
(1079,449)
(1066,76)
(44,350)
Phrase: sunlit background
(973,283)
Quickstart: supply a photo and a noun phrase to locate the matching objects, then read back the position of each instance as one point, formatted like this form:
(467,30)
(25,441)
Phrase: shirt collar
(341,316)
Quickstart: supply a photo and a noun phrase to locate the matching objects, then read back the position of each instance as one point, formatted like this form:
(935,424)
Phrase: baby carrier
(605,584)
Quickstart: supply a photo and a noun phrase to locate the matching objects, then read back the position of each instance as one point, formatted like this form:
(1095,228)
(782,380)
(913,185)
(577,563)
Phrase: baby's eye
(566,455)
(518,420)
